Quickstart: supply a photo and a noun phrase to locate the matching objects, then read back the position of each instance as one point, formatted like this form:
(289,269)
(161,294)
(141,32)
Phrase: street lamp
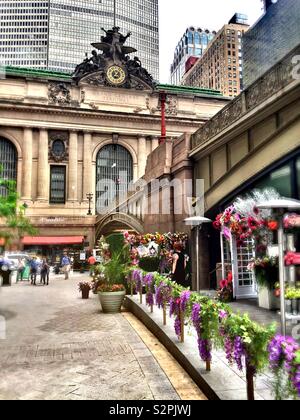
(90,198)
(197,221)
(280,207)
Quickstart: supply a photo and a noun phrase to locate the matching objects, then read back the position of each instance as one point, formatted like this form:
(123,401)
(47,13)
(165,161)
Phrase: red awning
(52,240)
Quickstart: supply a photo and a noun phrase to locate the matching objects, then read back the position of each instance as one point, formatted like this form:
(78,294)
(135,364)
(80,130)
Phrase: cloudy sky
(177,15)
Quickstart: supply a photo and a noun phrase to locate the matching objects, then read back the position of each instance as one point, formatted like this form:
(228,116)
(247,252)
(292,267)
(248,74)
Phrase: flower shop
(250,251)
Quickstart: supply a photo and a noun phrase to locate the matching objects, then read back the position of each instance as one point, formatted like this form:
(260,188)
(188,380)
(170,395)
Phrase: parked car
(14,258)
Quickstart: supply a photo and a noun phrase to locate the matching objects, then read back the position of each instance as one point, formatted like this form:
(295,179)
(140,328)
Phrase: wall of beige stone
(90,116)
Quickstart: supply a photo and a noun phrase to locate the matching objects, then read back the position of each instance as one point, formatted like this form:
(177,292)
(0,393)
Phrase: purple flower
(163,294)
(229,350)
(177,326)
(184,299)
(223,314)
(205,349)
(239,352)
(137,277)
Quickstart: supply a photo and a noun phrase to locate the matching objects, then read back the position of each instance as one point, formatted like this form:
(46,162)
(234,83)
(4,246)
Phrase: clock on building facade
(116,75)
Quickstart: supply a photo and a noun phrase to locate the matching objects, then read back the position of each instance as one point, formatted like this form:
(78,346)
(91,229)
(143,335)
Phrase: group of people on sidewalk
(41,267)
(36,267)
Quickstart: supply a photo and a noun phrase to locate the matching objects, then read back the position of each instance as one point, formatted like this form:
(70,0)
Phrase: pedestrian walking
(21,270)
(179,265)
(33,270)
(45,271)
(66,265)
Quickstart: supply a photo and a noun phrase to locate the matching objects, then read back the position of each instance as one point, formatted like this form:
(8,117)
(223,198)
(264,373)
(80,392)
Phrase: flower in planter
(84,286)
(111,288)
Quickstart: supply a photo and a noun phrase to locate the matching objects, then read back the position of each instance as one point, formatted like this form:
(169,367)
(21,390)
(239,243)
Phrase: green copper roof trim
(23,71)
(188,89)
(27,72)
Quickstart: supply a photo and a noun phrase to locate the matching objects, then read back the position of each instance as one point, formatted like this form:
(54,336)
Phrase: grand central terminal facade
(59,138)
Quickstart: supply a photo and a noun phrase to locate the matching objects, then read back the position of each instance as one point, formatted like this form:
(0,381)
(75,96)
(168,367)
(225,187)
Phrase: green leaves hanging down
(254,336)
(13,214)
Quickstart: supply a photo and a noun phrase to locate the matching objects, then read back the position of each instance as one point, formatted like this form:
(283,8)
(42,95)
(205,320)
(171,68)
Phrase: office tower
(56,34)
(221,66)
(191,46)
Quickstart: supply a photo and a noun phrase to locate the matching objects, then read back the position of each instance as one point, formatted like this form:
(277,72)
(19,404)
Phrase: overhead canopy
(52,240)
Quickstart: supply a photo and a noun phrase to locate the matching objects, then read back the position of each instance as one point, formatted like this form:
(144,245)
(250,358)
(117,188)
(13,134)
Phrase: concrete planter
(267,299)
(111,302)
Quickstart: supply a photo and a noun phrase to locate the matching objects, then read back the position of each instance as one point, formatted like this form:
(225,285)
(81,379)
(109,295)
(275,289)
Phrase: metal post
(222,257)
(197,257)
(115,12)
(282,275)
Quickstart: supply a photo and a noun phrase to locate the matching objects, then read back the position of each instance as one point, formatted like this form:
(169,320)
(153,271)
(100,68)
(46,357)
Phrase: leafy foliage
(12,213)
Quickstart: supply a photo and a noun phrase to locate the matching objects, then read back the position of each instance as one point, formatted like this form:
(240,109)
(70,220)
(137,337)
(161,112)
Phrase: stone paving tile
(61,347)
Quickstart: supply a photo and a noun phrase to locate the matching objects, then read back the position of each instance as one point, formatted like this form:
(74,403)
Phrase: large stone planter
(267,299)
(111,302)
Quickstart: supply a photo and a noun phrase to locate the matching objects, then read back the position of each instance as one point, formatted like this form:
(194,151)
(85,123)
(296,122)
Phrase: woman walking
(179,265)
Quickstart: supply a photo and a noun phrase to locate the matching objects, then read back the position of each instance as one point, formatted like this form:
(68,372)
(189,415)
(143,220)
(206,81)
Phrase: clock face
(116,75)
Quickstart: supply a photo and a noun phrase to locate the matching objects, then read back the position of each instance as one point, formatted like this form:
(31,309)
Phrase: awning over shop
(53,240)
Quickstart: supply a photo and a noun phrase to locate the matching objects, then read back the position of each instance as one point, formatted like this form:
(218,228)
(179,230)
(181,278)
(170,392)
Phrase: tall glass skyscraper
(56,34)
(193,44)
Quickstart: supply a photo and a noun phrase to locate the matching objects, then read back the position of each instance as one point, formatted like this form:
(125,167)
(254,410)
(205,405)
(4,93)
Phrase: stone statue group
(113,51)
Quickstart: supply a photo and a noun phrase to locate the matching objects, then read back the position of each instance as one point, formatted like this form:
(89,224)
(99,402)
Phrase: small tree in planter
(112,292)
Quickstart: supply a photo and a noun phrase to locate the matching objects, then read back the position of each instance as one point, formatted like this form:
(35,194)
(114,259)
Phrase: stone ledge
(222,383)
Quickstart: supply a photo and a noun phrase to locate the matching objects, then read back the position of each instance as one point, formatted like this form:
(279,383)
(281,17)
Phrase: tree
(12,214)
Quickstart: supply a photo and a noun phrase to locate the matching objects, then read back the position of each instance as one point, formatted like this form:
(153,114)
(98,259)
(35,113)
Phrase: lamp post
(90,198)
(280,207)
(197,221)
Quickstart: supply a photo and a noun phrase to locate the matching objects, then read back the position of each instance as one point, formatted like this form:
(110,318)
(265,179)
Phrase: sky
(177,15)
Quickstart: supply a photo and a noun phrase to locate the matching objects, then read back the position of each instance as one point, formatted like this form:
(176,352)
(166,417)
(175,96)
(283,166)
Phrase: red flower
(230,277)
(273,225)
(252,223)
(223,284)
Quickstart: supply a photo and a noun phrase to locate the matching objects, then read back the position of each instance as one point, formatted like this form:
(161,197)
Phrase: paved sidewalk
(58,346)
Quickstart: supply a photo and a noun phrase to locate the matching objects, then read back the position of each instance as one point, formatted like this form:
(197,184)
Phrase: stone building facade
(57,131)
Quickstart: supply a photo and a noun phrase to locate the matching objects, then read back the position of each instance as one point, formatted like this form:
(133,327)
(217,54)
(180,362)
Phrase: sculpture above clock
(113,66)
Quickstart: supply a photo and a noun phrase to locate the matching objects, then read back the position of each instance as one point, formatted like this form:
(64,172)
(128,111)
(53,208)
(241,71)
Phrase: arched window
(114,168)
(8,162)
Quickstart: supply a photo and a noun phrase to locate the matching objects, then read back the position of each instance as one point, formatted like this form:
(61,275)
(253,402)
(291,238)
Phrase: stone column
(87,165)
(43,165)
(27,165)
(142,156)
(155,143)
(73,167)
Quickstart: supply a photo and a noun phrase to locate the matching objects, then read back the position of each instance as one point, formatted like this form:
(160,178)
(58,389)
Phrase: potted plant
(85,287)
(266,274)
(112,292)
(292,296)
